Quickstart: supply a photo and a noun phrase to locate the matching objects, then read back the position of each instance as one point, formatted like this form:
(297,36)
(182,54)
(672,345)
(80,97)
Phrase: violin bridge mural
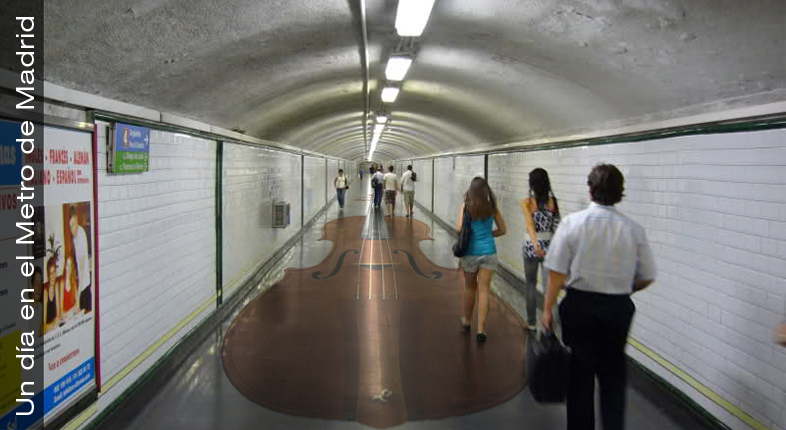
(375,316)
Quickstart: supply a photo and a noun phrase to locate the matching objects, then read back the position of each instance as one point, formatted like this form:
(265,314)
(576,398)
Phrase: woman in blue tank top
(480,262)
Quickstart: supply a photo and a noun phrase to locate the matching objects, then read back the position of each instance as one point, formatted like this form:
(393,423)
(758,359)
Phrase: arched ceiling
(485,72)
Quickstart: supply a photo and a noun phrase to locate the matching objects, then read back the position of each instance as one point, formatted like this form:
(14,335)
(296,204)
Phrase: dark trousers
(378,195)
(595,326)
(340,192)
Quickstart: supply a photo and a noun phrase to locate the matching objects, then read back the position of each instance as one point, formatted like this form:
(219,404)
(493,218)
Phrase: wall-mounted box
(281,213)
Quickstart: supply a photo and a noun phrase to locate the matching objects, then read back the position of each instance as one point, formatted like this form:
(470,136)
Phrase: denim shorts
(471,263)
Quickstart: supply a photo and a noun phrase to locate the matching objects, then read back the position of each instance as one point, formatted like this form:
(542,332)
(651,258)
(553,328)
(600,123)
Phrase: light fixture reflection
(397,68)
(412,16)
(389,94)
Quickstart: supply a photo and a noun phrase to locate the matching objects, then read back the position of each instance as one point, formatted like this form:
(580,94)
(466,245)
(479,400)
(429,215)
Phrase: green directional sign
(130,149)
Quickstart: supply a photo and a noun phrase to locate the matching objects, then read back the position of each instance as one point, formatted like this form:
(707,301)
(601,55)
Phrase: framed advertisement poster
(62,287)
(129,149)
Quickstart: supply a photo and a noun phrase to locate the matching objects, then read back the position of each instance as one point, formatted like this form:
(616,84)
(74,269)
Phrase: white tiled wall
(315,186)
(332,171)
(714,207)
(157,244)
(253,178)
(423,185)
(454,174)
(443,181)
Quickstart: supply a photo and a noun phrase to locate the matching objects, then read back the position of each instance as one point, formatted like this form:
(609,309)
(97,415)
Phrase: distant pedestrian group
(387,186)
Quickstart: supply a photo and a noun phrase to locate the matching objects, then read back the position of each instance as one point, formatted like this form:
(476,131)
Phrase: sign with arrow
(129,149)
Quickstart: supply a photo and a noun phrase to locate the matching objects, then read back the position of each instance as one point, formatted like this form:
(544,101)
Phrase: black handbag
(462,243)
(547,364)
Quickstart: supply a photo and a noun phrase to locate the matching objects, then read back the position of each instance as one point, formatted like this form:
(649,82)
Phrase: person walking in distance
(376,182)
(390,182)
(373,185)
(541,214)
(408,191)
(341,183)
(480,262)
(601,257)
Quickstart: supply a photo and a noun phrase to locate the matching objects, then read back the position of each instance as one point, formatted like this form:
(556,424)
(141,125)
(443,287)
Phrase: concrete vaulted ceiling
(485,72)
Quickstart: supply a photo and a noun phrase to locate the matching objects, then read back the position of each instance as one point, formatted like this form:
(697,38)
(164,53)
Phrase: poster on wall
(12,324)
(62,282)
(129,149)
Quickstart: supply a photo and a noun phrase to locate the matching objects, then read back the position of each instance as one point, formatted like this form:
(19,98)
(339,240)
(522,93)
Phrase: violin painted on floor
(371,334)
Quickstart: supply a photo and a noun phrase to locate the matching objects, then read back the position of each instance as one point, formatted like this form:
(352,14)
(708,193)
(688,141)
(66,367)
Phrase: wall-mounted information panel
(129,149)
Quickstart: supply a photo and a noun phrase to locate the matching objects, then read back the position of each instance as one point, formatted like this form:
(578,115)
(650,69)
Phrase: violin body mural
(371,334)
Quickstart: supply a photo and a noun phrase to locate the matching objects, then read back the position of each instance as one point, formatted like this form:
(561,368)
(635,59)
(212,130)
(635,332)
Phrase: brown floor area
(315,345)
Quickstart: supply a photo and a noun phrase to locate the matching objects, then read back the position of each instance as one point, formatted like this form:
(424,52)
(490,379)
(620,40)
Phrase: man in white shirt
(390,183)
(408,190)
(601,257)
(82,258)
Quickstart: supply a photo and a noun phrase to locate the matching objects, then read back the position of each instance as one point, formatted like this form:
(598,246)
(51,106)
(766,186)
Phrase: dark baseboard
(672,402)
(131,402)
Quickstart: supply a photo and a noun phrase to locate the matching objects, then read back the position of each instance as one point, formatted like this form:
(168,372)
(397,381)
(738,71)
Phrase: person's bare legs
(388,206)
(484,283)
(470,289)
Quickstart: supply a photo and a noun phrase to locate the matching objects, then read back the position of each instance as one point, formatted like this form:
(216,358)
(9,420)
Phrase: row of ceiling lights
(411,19)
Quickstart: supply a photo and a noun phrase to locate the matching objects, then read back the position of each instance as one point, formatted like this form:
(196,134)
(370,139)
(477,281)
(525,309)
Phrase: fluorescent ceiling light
(397,68)
(381,119)
(389,94)
(373,146)
(412,17)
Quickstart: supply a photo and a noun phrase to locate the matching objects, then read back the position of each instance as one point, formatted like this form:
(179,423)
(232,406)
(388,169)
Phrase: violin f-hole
(340,262)
(415,267)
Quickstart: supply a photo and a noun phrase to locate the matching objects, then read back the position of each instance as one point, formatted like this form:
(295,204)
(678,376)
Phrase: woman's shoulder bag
(461,247)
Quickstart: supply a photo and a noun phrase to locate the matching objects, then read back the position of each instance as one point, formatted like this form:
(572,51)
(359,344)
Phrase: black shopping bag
(547,365)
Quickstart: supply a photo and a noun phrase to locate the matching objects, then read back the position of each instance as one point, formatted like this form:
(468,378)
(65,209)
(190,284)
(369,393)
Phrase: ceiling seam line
(366,89)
